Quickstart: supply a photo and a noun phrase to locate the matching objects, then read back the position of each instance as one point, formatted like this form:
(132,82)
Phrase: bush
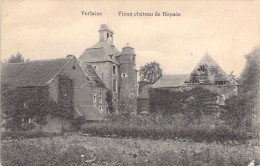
(140,127)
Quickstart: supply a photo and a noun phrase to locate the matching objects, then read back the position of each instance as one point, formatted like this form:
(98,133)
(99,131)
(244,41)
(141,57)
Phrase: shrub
(140,127)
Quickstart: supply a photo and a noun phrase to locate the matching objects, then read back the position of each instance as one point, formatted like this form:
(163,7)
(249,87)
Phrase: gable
(208,72)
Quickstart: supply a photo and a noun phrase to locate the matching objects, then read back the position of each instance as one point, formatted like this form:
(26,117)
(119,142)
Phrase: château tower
(128,78)
(114,68)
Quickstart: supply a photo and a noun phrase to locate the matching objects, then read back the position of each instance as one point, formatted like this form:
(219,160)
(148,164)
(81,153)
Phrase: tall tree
(18,58)
(151,72)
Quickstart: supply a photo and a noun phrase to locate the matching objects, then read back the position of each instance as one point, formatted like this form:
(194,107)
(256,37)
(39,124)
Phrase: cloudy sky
(42,29)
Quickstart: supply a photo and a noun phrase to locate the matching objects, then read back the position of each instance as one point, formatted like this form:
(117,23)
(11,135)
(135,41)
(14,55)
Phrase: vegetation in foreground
(82,150)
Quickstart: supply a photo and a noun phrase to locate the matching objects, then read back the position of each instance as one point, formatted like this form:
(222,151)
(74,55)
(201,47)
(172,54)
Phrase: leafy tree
(18,58)
(240,110)
(151,72)
(109,100)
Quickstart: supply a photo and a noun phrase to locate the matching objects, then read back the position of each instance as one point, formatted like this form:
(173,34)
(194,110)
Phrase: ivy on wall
(21,103)
(192,103)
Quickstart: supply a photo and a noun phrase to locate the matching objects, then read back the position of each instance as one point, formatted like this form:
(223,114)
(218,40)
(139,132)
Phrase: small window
(100,108)
(100,97)
(123,75)
(73,67)
(131,95)
(102,76)
(94,97)
(114,69)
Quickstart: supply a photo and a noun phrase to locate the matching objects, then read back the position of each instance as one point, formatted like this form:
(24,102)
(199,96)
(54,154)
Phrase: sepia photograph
(130,83)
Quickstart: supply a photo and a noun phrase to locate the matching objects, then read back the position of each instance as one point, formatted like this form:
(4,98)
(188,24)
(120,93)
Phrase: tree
(109,100)
(151,72)
(18,58)
(240,109)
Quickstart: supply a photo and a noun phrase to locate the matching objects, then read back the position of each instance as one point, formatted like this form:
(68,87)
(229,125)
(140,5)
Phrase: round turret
(128,50)
(127,55)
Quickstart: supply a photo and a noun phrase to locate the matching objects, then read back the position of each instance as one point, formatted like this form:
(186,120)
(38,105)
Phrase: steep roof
(145,92)
(33,73)
(95,80)
(104,27)
(212,73)
(170,81)
(100,52)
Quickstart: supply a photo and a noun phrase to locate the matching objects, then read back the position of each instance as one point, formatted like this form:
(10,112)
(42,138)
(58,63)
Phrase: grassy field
(76,149)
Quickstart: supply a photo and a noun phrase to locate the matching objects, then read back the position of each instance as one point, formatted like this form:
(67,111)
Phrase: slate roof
(32,73)
(104,27)
(95,80)
(89,112)
(170,81)
(100,52)
(145,92)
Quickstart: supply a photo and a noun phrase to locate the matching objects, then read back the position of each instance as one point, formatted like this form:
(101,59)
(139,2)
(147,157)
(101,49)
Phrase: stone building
(59,80)
(114,68)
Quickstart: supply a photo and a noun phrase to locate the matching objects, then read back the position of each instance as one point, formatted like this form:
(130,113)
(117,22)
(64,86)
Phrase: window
(111,56)
(102,76)
(107,111)
(131,95)
(94,97)
(100,97)
(114,85)
(95,67)
(123,75)
(100,108)
(202,68)
(114,69)
(73,67)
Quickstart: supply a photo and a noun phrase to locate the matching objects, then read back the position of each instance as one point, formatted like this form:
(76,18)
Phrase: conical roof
(127,50)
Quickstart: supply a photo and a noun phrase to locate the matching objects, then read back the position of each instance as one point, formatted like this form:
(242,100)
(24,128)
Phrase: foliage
(192,103)
(151,72)
(24,103)
(83,151)
(65,102)
(26,134)
(152,128)
(18,58)
(109,100)
(239,110)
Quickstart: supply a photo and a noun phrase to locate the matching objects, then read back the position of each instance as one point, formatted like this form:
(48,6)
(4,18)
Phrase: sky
(44,29)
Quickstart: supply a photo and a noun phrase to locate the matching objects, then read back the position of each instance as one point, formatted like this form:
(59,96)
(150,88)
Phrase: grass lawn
(76,149)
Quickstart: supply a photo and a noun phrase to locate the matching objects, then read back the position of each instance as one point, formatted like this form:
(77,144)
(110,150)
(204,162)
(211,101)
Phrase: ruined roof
(89,112)
(32,73)
(104,27)
(145,92)
(170,81)
(95,80)
(100,52)
(214,71)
